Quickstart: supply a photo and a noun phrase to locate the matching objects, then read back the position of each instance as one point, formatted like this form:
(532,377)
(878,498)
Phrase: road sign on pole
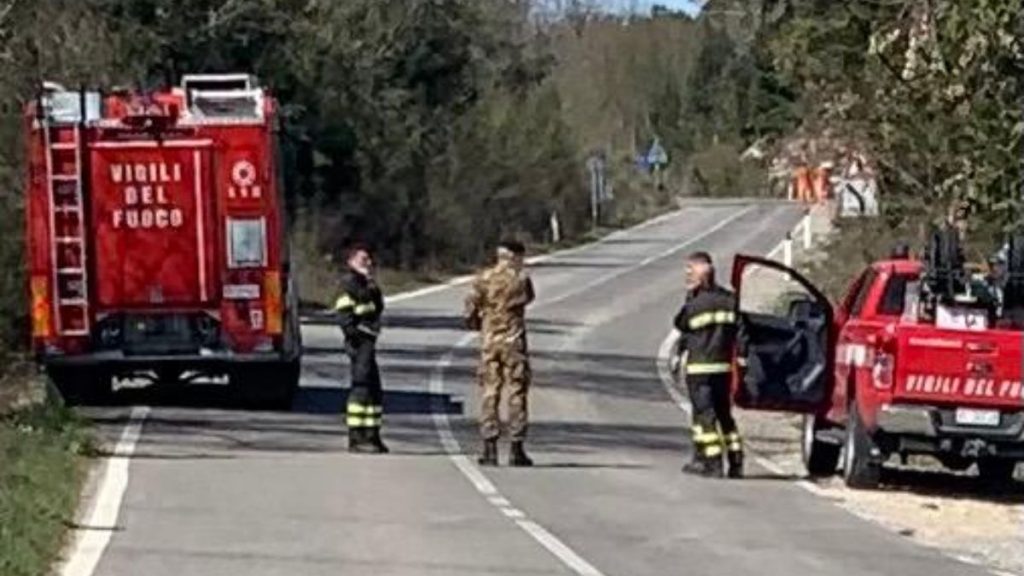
(656,155)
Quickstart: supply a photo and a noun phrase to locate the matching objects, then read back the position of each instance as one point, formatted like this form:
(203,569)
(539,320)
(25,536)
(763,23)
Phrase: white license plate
(971,417)
(241,291)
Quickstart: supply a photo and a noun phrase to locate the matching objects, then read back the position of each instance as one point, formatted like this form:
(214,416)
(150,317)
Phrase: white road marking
(646,261)
(608,313)
(483,485)
(486,488)
(100,523)
(466,278)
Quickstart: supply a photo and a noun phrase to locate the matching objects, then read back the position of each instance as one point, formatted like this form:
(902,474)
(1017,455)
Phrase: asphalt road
(217,490)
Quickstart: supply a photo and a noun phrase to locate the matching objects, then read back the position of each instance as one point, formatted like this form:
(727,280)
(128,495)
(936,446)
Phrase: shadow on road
(222,435)
(588,466)
(938,483)
(950,485)
(309,400)
(420,320)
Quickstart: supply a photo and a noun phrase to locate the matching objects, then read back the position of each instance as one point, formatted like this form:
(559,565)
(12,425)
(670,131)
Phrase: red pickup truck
(875,377)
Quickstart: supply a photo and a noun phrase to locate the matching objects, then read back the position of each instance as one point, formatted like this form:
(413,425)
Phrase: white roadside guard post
(808,238)
(787,250)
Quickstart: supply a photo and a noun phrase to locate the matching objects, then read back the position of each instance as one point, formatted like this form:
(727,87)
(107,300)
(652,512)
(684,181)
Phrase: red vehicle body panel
(930,366)
(933,366)
(151,201)
(151,237)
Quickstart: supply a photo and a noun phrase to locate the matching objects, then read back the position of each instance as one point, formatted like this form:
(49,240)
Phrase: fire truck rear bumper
(932,429)
(915,420)
(118,360)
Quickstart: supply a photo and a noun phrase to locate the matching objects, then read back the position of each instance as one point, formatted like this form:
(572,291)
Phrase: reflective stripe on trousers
(733,443)
(711,443)
(708,368)
(364,415)
(707,443)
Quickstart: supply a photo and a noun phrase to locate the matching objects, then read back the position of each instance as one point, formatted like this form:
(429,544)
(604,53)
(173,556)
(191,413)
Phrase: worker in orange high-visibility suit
(820,183)
(802,183)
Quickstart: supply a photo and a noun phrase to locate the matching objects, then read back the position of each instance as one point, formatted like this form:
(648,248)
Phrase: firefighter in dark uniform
(707,327)
(359,307)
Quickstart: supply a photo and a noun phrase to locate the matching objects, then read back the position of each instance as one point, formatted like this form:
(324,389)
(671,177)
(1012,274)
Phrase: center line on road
(486,488)
(465,465)
(606,314)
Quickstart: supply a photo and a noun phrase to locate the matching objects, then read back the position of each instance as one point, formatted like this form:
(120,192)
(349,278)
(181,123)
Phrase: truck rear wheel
(996,472)
(820,458)
(272,386)
(861,469)
(955,463)
(82,386)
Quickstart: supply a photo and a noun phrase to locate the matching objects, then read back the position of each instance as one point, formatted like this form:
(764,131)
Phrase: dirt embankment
(921,501)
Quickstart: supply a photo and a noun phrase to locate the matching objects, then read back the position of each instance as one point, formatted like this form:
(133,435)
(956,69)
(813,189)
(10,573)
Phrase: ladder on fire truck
(63,149)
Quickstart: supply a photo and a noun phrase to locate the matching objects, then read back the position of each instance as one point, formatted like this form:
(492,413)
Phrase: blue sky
(689,5)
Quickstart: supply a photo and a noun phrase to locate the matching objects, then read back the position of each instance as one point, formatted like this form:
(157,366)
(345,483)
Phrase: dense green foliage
(933,91)
(433,127)
(428,127)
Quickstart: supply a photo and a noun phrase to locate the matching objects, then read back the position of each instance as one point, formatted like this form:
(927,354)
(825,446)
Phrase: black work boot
(706,467)
(517,455)
(360,441)
(357,440)
(489,457)
(379,444)
(735,464)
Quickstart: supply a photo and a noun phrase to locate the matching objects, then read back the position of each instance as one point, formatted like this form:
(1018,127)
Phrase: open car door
(785,343)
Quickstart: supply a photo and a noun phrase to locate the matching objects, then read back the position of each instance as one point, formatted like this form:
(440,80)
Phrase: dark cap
(353,247)
(700,256)
(514,246)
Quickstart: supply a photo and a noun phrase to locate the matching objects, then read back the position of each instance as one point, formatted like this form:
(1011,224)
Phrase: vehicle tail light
(41,325)
(272,302)
(882,371)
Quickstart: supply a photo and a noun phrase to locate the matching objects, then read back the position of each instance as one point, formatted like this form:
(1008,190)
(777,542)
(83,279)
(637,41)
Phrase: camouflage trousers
(504,371)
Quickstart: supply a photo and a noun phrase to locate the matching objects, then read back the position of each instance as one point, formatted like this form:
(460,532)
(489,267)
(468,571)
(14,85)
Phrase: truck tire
(956,463)
(82,387)
(861,470)
(996,472)
(820,458)
(268,386)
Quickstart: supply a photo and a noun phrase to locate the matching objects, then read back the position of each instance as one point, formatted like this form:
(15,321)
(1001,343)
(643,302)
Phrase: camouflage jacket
(497,302)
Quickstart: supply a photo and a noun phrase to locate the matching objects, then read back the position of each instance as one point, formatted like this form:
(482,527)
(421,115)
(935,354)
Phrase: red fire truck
(919,357)
(156,238)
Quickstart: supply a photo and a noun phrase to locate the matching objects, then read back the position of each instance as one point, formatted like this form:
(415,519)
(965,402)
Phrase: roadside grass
(43,452)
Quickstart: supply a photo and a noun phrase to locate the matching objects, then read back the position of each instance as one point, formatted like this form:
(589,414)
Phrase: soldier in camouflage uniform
(496,306)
